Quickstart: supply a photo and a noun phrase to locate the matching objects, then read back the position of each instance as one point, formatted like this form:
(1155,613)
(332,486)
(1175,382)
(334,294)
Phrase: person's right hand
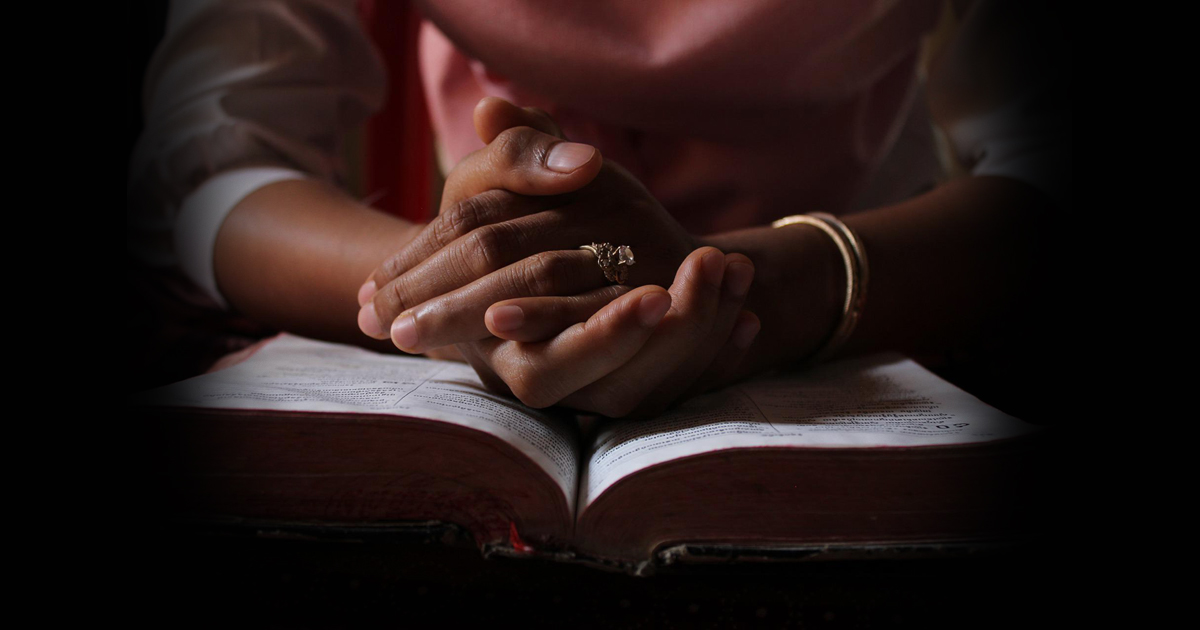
(635,356)
(513,217)
(607,350)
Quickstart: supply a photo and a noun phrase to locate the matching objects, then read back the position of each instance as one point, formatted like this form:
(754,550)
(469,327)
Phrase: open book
(859,453)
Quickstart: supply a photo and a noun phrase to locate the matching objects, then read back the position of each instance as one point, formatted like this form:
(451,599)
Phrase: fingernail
(567,157)
(738,277)
(404,332)
(506,318)
(365,292)
(713,265)
(368,321)
(652,308)
(745,333)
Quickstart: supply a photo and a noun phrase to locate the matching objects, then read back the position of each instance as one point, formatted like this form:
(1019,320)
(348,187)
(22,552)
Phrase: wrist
(292,254)
(798,291)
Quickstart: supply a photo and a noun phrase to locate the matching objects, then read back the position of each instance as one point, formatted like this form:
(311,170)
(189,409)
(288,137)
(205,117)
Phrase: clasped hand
(499,274)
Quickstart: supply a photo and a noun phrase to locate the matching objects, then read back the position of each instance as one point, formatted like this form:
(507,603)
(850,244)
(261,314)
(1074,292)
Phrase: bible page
(881,401)
(292,373)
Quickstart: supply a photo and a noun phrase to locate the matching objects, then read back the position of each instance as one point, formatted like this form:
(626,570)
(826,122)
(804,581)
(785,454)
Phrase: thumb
(525,161)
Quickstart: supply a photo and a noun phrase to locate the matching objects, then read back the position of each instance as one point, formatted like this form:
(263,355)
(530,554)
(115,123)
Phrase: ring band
(614,261)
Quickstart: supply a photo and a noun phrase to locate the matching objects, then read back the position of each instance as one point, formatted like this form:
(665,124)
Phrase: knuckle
(444,228)
(523,378)
(483,249)
(734,257)
(693,327)
(459,219)
(398,302)
(699,329)
(530,389)
(544,274)
(496,386)
(390,269)
(528,397)
(547,121)
(696,326)
(463,217)
(491,380)
(511,146)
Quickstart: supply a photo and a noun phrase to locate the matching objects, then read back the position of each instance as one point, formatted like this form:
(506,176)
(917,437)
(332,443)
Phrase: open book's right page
(880,401)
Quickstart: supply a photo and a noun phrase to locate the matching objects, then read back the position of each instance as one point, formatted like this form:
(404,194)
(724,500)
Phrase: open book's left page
(294,374)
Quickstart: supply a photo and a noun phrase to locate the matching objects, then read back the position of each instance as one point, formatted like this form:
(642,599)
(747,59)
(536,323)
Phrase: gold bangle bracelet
(854,256)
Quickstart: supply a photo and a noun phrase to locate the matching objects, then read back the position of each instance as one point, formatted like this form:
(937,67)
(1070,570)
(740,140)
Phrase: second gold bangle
(854,257)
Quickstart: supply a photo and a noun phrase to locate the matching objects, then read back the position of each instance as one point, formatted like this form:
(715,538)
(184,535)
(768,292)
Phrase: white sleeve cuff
(1027,141)
(202,213)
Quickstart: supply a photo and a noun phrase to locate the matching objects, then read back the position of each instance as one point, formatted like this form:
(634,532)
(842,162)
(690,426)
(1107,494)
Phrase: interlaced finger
(540,318)
(542,374)
(458,316)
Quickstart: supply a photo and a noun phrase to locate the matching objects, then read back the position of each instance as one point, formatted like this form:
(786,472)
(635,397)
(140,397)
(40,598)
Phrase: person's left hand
(635,356)
(513,216)
(562,335)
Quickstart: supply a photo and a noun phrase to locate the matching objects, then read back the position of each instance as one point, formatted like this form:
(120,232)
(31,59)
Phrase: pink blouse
(732,113)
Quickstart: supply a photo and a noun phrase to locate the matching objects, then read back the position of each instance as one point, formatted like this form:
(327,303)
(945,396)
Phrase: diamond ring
(614,261)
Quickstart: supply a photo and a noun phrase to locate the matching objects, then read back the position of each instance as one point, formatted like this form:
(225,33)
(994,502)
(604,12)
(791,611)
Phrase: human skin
(941,275)
(946,267)
(294,245)
(474,255)
(293,253)
(616,327)
(949,268)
